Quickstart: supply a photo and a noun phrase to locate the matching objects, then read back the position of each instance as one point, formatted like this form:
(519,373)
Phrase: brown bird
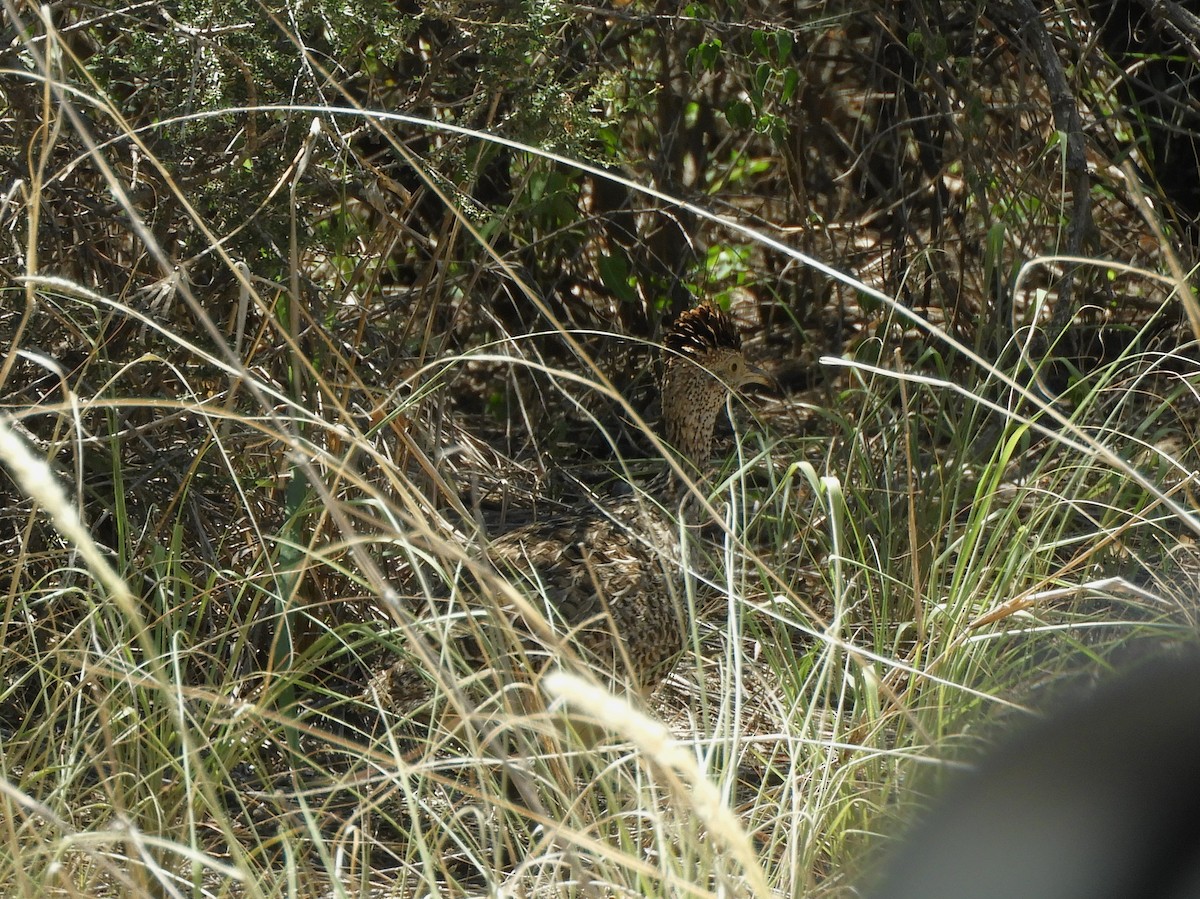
(608,579)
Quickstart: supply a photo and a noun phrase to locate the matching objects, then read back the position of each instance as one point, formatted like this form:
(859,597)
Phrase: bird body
(609,579)
(612,576)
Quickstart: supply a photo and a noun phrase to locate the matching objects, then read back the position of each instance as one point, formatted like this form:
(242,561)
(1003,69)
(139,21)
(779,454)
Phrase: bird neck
(691,401)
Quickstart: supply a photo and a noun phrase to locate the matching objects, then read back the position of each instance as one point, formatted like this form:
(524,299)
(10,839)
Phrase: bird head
(703,363)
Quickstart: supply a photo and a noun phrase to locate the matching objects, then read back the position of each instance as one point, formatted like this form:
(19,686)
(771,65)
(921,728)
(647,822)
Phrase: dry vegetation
(305,302)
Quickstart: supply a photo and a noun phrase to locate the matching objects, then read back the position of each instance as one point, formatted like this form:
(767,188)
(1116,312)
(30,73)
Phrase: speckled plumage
(608,578)
(604,576)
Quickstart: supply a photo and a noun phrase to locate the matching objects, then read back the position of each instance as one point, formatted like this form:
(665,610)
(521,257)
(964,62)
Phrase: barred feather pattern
(609,579)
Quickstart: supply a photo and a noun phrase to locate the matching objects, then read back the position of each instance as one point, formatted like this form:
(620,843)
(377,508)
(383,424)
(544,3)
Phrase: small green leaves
(615,275)
(705,56)
(772,83)
(739,114)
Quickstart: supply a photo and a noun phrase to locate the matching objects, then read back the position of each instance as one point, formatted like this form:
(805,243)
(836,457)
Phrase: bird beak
(755,375)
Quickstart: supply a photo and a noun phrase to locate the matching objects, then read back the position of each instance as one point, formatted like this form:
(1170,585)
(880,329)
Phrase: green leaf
(739,114)
(614,274)
(762,77)
(783,46)
(705,55)
(759,40)
(791,80)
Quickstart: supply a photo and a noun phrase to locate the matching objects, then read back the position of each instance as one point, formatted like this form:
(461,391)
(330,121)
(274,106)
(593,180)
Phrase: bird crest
(702,329)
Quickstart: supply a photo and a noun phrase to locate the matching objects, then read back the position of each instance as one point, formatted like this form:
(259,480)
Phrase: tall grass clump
(303,307)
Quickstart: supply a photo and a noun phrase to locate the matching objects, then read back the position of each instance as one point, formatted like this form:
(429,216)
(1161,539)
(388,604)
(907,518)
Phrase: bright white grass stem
(656,742)
(37,480)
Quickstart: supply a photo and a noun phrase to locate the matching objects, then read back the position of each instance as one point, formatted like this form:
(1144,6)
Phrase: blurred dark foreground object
(1099,799)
